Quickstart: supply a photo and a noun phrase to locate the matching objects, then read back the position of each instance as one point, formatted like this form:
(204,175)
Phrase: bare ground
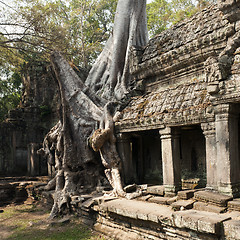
(30,221)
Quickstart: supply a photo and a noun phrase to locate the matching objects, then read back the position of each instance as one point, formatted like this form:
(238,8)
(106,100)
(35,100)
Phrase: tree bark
(89,110)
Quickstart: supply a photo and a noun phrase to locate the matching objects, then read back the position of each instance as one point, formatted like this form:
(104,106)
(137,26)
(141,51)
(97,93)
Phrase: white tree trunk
(88,107)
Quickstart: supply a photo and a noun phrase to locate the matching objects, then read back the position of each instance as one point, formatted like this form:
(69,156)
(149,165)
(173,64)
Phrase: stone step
(234,205)
(156,190)
(159,200)
(144,198)
(208,207)
(232,230)
(186,194)
(182,205)
(172,200)
(212,197)
(200,221)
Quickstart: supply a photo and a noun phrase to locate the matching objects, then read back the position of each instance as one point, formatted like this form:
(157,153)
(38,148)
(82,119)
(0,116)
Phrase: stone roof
(186,70)
(183,48)
(183,103)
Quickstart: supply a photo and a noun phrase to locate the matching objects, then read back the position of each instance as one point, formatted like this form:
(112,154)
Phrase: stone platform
(132,219)
(157,217)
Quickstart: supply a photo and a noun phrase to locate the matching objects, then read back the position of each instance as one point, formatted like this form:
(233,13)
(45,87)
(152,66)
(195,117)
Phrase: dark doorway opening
(146,157)
(193,156)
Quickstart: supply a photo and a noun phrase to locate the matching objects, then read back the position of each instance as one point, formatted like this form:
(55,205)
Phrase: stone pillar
(125,153)
(228,165)
(211,154)
(170,160)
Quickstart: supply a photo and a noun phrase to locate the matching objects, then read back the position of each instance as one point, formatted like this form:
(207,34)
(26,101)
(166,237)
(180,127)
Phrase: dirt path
(30,222)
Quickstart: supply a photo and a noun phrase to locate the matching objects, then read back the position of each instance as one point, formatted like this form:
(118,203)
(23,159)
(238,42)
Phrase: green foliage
(158,13)
(77,28)
(10,91)
(162,14)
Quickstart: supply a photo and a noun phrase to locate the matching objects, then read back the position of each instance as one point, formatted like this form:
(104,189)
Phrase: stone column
(125,153)
(170,160)
(211,154)
(227,150)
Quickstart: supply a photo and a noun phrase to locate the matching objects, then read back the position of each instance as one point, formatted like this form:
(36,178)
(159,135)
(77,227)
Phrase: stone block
(209,225)
(231,230)
(156,190)
(199,221)
(153,217)
(129,213)
(234,205)
(142,216)
(144,198)
(159,200)
(186,194)
(172,200)
(208,207)
(212,197)
(182,204)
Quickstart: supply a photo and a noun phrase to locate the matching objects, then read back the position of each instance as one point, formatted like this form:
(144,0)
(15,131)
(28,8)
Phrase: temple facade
(182,127)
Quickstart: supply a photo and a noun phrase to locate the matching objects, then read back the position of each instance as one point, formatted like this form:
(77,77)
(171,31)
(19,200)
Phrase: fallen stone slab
(232,230)
(199,221)
(156,190)
(212,197)
(234,205)
(159,200)
(182,204)
(208,207)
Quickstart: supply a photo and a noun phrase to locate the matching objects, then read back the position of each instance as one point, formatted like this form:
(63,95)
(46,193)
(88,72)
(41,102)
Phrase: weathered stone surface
(144,198)
(211,197)
(232,230)
(208,207)
(199,221)
(172,200)
(159,200)
(234,205)
(182,204)
(138,210)
(186,194)
(156,190)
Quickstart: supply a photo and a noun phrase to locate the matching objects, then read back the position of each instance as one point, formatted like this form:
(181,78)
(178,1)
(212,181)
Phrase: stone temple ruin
(187,116)
(181,131)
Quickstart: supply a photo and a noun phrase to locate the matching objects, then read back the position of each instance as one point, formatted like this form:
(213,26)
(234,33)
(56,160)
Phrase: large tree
(88,114)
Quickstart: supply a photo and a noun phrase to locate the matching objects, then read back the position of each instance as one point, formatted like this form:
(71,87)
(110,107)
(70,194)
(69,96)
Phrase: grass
(29,222)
